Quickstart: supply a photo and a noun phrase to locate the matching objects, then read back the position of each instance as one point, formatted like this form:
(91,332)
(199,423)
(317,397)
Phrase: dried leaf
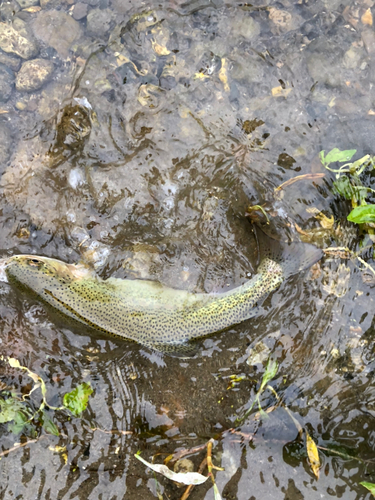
(32,9)
(325,222)
(313,454)
(200,76)
(280,91)
(14,363)
(223,75)
(367,17)
(179,477)
(299,178)
(159,49)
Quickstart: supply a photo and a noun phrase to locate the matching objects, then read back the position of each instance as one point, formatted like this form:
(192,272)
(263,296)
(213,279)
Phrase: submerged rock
(99,21)
(13,42)
(33,74)
(11,62)
(24,4)
(6,83)
(80,11)
(57,29)
(5,143)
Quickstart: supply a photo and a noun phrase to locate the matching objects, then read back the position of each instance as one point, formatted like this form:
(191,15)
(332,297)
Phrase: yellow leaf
(32,9)
(280,91)
(200,76)
(367,17)
(325,222)
(223,75)
(14,363)
(313,454)
(159,49)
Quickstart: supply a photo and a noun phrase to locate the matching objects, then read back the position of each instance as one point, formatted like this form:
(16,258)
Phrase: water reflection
(140,155)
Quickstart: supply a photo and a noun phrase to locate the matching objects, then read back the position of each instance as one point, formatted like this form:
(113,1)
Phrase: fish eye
(34,262)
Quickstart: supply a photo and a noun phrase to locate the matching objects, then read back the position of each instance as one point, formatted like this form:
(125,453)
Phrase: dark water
(158,126)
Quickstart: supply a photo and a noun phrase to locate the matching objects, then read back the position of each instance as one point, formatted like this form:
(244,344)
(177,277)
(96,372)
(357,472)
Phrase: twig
(20,445)
(191,486)
(299,178)
(182,453)
(124,433)
(344,455)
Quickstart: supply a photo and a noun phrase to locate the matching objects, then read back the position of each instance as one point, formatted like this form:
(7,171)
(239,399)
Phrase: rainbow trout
(148,312)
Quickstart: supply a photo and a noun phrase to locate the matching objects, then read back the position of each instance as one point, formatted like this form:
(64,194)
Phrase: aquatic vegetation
(17,412)
(349,184)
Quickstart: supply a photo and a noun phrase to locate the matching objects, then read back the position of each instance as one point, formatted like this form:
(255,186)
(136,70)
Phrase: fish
(149,313)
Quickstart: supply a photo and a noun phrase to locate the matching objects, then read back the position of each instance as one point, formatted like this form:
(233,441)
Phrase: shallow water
(159,125)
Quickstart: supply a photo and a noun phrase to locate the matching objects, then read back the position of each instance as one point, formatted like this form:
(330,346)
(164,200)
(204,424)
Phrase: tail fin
(293,257)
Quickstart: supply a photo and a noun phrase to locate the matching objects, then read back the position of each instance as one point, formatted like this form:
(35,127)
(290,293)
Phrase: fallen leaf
(299,178)
(223,74)
(159,49)
(200,76)
(280,91)
(14,363)
(325,222)
(33,8)
(313,454)
(179,477)
(367,17)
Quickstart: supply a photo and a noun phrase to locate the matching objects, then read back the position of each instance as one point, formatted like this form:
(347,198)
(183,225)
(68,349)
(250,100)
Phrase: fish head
(37,274)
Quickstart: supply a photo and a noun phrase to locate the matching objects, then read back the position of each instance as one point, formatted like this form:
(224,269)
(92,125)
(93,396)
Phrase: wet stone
(25,4)
(49,3)
(6,83)
(5,144)
(11,62)
(34,74)
(99,21)
(11,41)
(245,26)
(8,10)
(80,11)
(57,29)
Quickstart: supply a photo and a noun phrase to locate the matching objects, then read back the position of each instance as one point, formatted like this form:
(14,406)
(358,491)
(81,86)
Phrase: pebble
(8,10)
(11,41)
(11,62)
(57,29)
(245,26)
(5,143)
(80,11)
(6,83)
(99,21)
(25,4)
(34,74)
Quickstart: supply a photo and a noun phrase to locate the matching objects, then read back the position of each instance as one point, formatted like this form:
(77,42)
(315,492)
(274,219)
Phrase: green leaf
(369,486)
(49,426)
(363,214)
(76,400)
(9,409)
(270,372)
(344,188)
(337,155)
(20,421)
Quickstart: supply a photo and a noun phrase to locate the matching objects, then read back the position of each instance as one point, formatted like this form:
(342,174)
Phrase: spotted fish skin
(144,311)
